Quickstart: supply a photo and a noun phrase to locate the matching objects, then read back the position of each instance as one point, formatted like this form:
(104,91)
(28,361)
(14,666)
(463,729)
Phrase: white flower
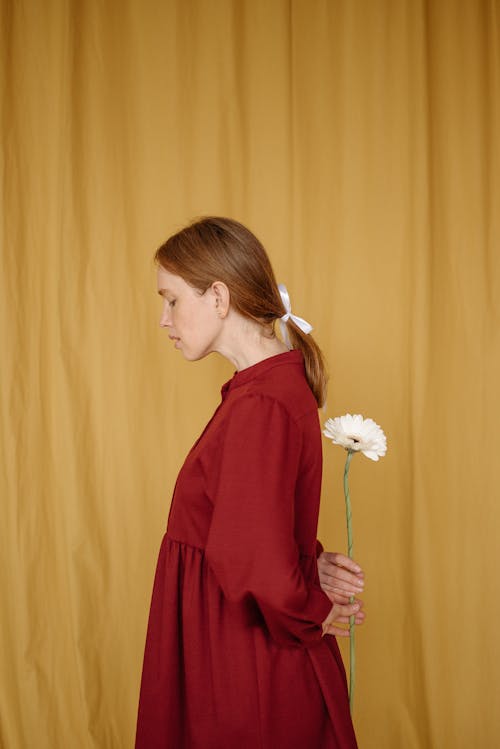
(358,434)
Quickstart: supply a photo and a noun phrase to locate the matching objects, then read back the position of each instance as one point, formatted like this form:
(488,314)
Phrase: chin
(194,356)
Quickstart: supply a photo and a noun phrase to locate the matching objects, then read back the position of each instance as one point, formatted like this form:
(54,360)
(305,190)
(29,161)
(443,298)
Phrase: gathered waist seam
(184,543)
(200,548)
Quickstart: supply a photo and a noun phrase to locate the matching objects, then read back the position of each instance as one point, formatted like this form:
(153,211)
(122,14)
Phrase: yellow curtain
(360,141)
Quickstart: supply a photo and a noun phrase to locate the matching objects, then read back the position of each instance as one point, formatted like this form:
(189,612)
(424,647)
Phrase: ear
(222,297)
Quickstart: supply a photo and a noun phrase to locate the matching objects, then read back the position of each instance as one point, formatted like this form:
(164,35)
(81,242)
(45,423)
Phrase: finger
(359,618)
(338,632)
(342,561)
(347,582)
(357,602)
(336,597)
(348,587)
(341,578)
(339,573)
(336,629)
(350,609)
(339,589)
(341,596)
(332,585)
(342,620)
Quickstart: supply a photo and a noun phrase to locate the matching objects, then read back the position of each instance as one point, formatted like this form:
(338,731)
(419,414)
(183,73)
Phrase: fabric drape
(360,142)
(235,653)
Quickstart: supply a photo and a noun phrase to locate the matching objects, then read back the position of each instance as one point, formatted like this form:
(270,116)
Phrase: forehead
(168,282)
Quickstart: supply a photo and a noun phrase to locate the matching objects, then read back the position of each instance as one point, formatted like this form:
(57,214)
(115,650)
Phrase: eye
(172,303)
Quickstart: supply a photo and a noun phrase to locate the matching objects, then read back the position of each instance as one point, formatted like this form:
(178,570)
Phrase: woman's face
(190,317)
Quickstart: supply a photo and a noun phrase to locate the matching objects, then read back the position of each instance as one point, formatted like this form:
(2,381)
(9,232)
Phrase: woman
(240,650)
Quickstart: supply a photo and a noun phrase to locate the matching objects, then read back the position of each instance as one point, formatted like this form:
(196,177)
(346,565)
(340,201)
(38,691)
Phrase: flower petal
(355,433)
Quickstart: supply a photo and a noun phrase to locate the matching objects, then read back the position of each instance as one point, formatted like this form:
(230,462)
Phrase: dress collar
(249,373)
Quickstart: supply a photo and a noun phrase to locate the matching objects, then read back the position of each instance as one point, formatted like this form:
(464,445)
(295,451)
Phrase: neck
(243,356)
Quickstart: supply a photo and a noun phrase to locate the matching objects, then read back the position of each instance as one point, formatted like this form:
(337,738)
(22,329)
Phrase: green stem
(352,658)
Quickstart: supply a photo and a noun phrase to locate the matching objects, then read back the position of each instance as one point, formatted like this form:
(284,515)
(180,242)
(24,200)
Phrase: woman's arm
(251,545)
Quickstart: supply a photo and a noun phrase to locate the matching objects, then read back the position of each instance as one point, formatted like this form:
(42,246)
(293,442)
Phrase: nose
(165,321)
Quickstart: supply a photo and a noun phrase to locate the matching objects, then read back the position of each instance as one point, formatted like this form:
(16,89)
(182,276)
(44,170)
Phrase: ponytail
(316,373)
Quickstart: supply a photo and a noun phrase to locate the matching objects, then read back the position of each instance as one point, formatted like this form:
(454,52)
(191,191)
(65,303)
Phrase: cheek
(188,320)
(196,320)
(204,330)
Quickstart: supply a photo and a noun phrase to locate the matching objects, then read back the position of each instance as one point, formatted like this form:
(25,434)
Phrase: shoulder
(256,403)
(259,429)
(278,395)
(262,411)
(291,395)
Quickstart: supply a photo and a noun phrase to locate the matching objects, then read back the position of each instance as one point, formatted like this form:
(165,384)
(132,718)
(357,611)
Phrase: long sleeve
(251,544)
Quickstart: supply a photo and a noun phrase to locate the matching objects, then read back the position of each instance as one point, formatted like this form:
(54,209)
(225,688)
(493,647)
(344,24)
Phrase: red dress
(234,655)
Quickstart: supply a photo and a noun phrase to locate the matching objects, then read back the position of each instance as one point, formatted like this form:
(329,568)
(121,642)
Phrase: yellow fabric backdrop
(360,141)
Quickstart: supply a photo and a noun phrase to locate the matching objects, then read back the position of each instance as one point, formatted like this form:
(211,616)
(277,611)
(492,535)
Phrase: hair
(214,248)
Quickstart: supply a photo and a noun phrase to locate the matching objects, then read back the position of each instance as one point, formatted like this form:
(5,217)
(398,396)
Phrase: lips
(174,338)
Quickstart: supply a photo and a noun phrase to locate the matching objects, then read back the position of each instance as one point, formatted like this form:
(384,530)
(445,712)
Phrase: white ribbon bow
(299,321)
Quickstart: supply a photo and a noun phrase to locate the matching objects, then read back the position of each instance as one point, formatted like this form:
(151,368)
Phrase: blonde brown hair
(214,248)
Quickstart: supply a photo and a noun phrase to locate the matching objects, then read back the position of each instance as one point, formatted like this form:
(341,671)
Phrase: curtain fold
(360,142)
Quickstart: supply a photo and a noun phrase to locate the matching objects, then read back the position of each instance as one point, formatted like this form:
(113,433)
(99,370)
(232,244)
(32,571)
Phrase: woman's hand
(340,578)
(340,614)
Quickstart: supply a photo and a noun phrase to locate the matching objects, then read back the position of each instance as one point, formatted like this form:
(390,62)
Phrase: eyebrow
(161,292)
